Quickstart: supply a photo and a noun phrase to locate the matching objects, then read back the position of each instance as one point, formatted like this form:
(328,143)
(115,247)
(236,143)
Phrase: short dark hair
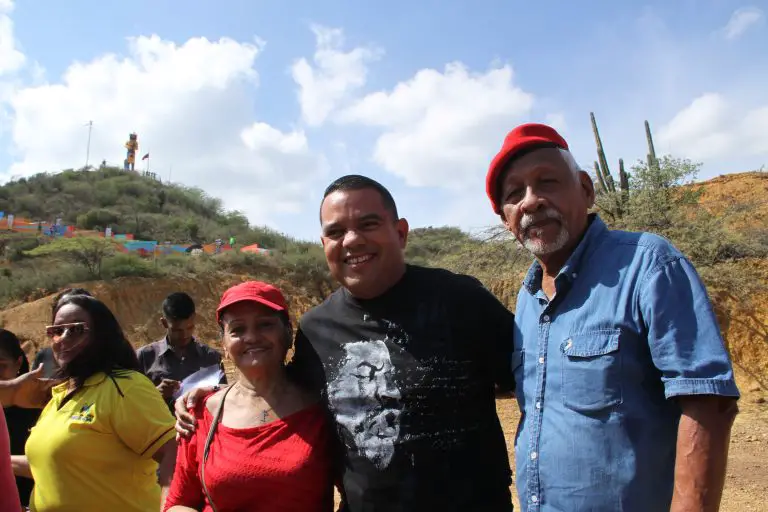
(108,351)
(10,346)
(178,306)
(359,182)
(63,293)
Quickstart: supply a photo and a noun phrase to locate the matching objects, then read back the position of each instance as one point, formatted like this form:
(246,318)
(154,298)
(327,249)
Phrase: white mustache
(531,218)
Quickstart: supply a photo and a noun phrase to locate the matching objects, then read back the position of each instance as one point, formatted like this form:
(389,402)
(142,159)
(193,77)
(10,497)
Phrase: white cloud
(713,127)
(557,121)
(700,129)
(741,20)
(335,75)
(192,108)
(442,128)
(11,58)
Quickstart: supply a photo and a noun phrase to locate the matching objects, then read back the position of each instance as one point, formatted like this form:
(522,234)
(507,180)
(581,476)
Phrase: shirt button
(541,360)
(575,275)
(534,498)
(568,343)
(534,455)
(538,405)
(546,318)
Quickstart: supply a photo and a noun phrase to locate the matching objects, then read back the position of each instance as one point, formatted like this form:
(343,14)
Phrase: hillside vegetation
(131,203)
(134,204)
(661,196)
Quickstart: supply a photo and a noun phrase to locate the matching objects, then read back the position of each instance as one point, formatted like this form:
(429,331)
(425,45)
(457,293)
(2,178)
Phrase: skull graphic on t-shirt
(366,400)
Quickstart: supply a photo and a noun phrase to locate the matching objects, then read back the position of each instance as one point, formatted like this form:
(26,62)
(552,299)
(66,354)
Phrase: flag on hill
(145,156)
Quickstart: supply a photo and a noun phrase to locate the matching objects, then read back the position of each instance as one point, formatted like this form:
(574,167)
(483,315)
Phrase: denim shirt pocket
(591,371)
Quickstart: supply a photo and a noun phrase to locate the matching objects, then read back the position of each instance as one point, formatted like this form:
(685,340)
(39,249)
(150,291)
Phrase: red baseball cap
(522,137)
(255,291)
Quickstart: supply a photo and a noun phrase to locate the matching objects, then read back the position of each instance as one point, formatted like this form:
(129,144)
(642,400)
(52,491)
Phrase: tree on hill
(88,252)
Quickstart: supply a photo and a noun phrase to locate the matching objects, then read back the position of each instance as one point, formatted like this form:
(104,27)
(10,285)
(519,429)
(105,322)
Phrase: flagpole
(88,148)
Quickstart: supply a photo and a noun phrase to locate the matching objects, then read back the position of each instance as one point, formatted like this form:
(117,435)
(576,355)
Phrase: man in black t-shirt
(407,360)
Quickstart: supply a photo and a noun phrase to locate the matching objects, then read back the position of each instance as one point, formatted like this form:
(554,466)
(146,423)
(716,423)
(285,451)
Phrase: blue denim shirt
(630,327)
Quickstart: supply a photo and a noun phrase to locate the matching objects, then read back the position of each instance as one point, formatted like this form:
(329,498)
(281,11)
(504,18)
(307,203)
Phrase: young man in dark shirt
(178,354)
(407,360)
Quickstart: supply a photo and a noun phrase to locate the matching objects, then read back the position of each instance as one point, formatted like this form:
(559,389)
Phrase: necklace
(265,415)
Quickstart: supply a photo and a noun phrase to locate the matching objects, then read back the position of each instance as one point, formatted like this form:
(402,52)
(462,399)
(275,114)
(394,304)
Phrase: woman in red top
(269,448)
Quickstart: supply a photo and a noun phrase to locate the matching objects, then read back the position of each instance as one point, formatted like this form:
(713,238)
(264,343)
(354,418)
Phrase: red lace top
(283,466)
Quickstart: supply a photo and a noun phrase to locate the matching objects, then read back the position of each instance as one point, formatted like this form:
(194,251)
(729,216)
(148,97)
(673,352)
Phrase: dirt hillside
(747,192)
(137,303)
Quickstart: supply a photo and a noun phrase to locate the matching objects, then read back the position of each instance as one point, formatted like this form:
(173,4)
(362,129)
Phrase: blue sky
(262,103)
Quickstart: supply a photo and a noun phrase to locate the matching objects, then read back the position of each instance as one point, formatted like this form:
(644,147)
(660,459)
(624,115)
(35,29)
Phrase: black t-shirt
(409,380)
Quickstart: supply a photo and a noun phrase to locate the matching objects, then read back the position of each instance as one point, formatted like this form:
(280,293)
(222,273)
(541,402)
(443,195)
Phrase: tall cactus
(623,177)
(652,160)
(623,182)
(601,186)
(606,173)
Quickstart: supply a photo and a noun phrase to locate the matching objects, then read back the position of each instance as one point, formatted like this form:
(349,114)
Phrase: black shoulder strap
(207,447)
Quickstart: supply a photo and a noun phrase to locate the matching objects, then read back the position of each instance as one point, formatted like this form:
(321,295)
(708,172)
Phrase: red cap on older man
(256,291)
(523,137)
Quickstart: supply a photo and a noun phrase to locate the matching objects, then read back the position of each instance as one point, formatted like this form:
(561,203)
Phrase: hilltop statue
(132,146)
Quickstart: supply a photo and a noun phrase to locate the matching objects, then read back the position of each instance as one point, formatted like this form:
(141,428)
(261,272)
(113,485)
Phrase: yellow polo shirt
(94,453)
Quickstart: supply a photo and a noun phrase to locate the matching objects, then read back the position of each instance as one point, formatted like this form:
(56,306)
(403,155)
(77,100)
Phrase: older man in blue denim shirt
(623,379)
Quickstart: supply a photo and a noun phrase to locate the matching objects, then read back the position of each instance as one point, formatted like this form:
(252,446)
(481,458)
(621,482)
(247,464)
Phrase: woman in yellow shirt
(98,442)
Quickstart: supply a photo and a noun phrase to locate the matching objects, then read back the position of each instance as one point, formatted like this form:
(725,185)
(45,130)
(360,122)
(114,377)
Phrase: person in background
(100,438)
(178,354)
(44,356)
(623,379)
(270,446)
(13,362)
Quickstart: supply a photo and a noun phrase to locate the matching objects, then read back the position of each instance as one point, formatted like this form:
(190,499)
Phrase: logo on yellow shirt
(85,415)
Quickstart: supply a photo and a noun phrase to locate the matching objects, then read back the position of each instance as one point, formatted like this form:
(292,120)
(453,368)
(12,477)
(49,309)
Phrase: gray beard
(539,248)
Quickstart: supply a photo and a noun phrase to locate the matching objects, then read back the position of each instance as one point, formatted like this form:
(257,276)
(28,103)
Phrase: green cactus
(623,182)
(652,161)
(604,170)
(601,187)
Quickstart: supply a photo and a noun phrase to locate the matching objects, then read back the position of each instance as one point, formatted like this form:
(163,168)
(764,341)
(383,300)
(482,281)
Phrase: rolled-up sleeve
(685,341)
